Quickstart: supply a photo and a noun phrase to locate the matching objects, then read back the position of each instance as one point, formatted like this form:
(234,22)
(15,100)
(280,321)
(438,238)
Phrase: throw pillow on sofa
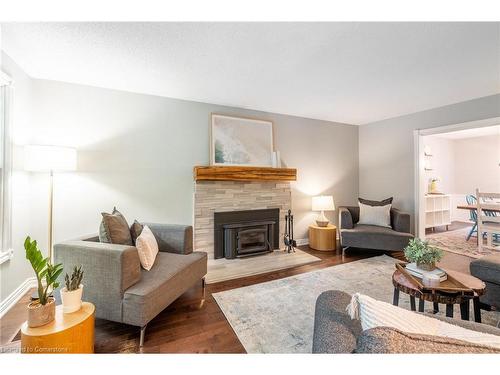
(114,229)
(147,247)
(136,230)
(375,215)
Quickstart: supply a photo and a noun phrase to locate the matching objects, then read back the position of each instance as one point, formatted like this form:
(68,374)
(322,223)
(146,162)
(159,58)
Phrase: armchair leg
(203,284)
(143,333)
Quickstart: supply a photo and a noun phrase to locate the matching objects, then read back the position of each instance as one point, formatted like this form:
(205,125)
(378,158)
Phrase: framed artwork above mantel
(240,141)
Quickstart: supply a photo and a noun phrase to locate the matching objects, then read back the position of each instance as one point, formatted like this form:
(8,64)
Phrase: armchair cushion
(374,237)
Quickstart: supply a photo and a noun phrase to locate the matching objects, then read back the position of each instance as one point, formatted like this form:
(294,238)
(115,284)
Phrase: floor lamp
(49,159)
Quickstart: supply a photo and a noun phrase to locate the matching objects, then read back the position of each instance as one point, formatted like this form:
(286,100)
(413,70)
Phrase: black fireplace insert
(245,233)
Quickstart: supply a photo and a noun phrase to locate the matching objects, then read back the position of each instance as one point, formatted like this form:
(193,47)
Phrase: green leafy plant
(44,270)
(73,282)
(421,252)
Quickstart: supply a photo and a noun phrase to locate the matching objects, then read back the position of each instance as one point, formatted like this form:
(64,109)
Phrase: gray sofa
(336,332)
(124,292)
(487,269)
(370,236)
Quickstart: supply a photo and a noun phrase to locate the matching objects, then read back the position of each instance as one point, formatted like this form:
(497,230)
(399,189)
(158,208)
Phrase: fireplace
(245,233)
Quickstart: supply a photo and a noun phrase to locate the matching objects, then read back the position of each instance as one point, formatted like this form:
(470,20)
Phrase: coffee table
(404,284)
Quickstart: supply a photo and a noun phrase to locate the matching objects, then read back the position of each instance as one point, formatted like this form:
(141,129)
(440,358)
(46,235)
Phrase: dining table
(473,207)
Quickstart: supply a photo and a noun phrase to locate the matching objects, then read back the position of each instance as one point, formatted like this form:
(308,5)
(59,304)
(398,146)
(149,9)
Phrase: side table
(67,333)
(406,285)
(323,238)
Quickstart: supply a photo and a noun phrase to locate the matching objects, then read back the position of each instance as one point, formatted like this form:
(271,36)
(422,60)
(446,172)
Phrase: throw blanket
(373,313)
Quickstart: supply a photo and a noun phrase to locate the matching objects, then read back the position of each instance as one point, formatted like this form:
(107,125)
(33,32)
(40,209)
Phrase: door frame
(420,184)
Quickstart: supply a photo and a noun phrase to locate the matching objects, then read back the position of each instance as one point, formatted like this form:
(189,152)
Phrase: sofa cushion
(487,268)
(389,340)
(170,277)
(374,237)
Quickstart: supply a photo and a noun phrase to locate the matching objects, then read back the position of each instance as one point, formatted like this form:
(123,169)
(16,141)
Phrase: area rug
(228,269)
(454,241)
(278,316)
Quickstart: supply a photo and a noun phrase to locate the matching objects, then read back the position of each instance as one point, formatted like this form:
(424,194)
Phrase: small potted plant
(42,310)
(421,253)
(71,294)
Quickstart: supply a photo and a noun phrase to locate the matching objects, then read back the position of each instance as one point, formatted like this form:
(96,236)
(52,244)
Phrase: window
(5,168)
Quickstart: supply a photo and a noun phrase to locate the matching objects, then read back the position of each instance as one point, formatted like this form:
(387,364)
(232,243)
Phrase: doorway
(451,162)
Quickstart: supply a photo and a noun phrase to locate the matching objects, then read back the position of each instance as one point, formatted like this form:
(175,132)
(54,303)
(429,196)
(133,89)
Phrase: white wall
(477,164)
(386,148)
(138,151)
(16,270)
(442,162)
(462,165)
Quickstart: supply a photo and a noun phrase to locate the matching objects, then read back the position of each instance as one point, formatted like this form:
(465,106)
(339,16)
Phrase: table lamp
(38,158)
(322,203)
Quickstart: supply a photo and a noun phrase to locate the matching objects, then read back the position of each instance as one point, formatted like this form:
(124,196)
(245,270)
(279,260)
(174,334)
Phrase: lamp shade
(38,158)
(323,203)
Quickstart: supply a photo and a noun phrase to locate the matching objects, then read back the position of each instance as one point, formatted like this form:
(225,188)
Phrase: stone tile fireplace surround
(223,196)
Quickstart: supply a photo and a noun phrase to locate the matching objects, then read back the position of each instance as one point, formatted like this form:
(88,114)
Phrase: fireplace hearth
(245,233)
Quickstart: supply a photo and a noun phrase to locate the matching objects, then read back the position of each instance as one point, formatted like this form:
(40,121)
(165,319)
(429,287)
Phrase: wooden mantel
(233,173)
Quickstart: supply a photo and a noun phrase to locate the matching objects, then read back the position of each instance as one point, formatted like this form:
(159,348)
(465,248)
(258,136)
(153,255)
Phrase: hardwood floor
(190,324)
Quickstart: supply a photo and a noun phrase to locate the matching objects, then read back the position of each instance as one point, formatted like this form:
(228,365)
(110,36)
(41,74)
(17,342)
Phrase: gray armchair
(370,236)
(117,285)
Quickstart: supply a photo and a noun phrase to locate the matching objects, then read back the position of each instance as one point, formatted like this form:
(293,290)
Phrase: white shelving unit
(437,210)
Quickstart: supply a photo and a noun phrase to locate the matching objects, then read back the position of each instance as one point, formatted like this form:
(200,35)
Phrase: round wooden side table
(404,284)
(67,333)
(323,238)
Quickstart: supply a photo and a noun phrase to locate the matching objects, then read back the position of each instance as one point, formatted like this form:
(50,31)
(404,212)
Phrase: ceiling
(355,73)
(471,133)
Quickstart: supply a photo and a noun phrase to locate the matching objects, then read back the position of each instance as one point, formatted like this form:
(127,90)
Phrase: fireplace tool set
(290,243)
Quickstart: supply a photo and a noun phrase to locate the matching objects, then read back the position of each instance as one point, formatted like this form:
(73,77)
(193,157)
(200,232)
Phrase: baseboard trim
(302,241)
(16,295)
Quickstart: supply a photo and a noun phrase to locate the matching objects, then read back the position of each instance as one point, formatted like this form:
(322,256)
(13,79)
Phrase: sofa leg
(143,333)
(203,284)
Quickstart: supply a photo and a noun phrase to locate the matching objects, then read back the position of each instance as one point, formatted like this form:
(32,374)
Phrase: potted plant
(71,294)
(42,310)
(424,255)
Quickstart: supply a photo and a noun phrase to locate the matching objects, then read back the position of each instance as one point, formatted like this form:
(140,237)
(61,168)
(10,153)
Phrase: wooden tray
(451,285)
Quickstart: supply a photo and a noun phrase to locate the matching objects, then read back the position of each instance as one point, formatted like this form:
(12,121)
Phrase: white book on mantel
(418,272)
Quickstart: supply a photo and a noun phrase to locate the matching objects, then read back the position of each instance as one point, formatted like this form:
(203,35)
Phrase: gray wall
(386,149)
(138,151)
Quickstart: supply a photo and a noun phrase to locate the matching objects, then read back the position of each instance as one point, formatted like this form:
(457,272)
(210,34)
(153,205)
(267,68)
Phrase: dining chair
(471,200)
(486,222)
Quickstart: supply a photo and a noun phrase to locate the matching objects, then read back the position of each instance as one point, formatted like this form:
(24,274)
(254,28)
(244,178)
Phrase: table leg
(477,310)
(435,307)
(412,303)
(449,310)
(395,299)
(421,305)
(464,310)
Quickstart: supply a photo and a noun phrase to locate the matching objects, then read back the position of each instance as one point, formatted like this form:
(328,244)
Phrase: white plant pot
(72,300)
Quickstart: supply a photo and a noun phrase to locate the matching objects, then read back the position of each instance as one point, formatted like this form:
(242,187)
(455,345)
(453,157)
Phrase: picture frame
(240,141)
